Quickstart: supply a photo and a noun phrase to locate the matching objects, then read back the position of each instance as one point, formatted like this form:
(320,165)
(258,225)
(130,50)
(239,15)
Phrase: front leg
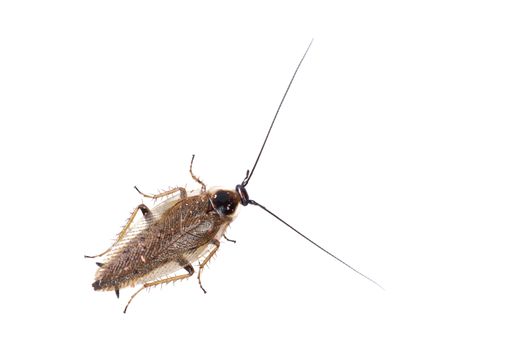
(196,178)
(182,191)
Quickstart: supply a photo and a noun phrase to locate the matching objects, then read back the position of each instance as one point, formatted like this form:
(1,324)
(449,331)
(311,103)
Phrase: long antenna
(250,173)
(245,200)
(251,201)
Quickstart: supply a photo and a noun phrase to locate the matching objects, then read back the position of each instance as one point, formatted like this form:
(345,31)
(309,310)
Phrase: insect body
(182,230)
(172,236)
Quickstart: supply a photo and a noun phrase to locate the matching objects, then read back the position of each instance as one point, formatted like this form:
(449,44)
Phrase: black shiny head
(225,202)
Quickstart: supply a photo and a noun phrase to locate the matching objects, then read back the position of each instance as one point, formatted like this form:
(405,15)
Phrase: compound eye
(225,202)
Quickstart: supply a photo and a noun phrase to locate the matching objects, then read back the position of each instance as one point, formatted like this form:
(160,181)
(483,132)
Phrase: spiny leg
(182,191)
(188,268)
(196,178)
(147,215)
(217,244)
(229,240)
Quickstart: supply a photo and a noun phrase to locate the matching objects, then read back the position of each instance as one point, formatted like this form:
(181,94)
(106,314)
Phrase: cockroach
(182,230)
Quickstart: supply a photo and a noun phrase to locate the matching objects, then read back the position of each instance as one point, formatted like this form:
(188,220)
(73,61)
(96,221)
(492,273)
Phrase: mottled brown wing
(170,240)
(188,225)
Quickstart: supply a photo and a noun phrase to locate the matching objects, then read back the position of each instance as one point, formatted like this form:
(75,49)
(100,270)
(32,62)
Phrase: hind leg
(147,215)
(188,268)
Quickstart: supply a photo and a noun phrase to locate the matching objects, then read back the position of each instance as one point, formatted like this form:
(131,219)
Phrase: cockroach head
(225,202)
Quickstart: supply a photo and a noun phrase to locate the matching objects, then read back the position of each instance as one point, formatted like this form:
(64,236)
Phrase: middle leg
(217,244)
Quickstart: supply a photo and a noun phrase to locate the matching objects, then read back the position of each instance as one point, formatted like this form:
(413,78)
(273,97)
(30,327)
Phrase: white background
(400,148)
